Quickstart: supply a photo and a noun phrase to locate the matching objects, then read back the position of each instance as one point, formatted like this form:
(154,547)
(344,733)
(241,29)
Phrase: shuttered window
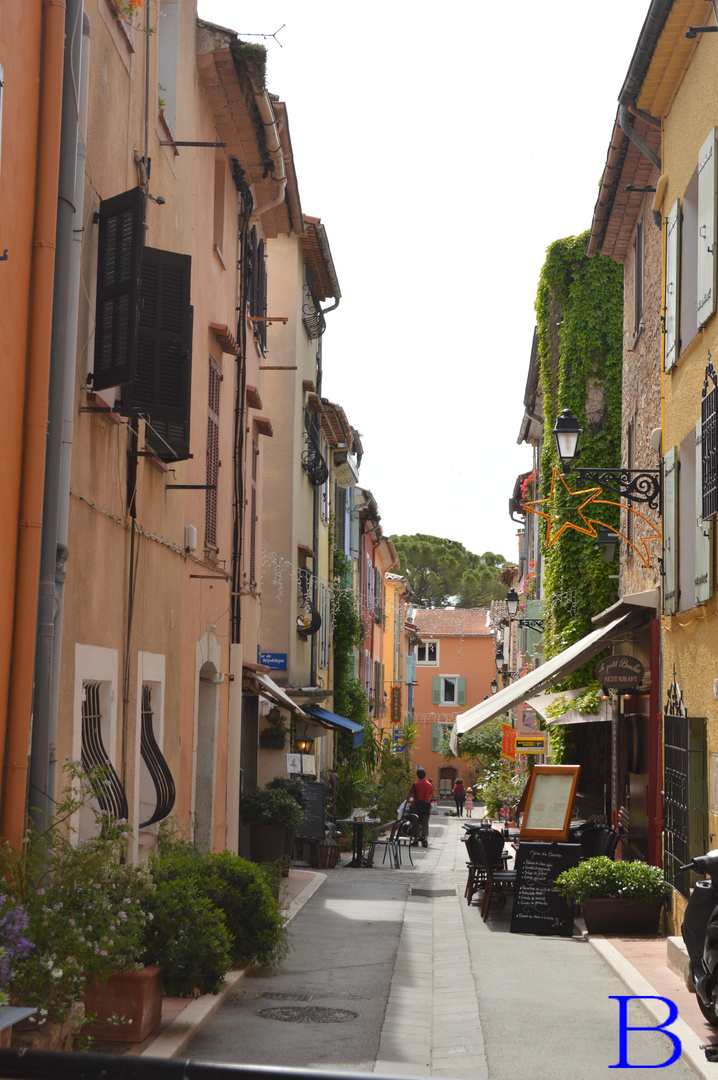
(670,532)
(161,389)
(707,176)
(709,443)
(704,533)
(119,254)
(212,466)
(253,518)
(257,288)
(671,343)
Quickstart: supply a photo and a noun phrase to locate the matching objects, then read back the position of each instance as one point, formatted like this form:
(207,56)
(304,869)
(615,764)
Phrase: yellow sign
(530,744)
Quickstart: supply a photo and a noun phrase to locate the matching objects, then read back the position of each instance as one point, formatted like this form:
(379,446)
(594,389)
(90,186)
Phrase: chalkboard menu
(538,908)
(312,827)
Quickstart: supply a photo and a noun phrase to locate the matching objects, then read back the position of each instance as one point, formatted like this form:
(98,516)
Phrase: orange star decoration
(588,523)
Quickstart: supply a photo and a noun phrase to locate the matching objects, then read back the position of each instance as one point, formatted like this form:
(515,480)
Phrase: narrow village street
(391,971)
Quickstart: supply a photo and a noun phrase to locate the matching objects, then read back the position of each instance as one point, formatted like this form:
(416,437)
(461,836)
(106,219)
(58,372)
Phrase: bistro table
(357,825)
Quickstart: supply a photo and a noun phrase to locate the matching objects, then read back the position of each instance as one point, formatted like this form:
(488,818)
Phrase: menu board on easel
(549,802)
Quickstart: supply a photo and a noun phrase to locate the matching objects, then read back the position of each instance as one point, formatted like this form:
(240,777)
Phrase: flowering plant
(13,943)
(528,485)
(529,586)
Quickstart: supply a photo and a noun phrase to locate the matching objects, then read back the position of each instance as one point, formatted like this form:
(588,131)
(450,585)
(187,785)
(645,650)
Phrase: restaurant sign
(620,672)
(508,742)
(530,744)
(396,704)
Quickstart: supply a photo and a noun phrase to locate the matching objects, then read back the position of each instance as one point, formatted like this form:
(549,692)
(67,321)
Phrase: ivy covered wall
(579,309)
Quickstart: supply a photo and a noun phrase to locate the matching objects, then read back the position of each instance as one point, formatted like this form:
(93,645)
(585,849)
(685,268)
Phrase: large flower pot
(266,843)
(127,1007)
(611,916)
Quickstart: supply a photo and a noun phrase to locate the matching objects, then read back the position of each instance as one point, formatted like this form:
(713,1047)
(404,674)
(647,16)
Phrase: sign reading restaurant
(620,672)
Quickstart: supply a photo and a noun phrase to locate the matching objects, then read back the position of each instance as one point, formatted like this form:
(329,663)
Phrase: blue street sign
(275,660)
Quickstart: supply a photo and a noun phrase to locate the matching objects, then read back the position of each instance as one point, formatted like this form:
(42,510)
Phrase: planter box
(329,854)
(612,917)
(134,995)
(266,843)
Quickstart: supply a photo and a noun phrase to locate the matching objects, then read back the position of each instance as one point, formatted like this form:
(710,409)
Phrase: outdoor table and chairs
(357,825)
(487,867)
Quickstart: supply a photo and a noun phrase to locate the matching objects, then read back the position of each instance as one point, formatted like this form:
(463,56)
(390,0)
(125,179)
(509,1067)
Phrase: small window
(448,690)
(427,652)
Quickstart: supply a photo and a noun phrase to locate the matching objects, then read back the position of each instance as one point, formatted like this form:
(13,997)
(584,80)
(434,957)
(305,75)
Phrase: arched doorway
(447,779)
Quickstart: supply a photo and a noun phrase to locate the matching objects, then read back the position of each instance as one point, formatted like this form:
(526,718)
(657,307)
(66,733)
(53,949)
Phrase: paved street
(391,971)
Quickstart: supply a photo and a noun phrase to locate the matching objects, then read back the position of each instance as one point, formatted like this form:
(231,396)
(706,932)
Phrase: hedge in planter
(615,896)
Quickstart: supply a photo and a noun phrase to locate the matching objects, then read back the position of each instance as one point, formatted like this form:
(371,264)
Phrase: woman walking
(459,797)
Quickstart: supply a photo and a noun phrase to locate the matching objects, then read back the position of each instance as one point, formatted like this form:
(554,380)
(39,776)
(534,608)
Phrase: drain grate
(277,996)
(431,892)
(314,1014)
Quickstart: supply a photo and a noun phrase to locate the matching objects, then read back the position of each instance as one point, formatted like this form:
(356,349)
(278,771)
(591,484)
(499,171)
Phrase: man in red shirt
(420,794)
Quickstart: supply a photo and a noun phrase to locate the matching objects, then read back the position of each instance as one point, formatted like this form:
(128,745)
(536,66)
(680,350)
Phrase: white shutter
(704,533)
(671,341)
(707,175)
(670,532)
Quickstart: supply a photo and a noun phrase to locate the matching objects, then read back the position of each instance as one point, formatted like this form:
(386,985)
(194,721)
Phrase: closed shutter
(707,174)
(162,384)
(212,464)
(709,442)
(411,669)
(670,532)
(118,277)
(461,690)
(436,690)
(671,302)
(704,534)
(437,734)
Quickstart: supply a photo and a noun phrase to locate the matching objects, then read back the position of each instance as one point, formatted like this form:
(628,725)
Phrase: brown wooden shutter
(162,384)
(212,468)
(118,273)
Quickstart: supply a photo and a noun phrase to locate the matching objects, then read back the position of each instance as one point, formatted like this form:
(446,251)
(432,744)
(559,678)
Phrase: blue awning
(332,720)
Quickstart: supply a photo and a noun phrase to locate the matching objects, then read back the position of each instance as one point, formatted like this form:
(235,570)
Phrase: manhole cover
(432,892)
(277,996)
(314,1014)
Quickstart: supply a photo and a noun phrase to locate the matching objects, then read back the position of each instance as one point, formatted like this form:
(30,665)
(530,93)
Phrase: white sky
(444,147)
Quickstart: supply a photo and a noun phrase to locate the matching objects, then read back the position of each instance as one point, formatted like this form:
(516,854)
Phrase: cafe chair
(388,842)
(408,826)
(494,846)
(497,882)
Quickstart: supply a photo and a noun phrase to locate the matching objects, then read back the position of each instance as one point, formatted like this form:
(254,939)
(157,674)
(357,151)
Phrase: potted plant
(269,812)
(616,897)
(291,785)
(273,735)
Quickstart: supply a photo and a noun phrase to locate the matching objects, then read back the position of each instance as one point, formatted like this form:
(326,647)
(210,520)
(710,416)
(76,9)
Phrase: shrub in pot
(269,813)
(616,897)
(272,736)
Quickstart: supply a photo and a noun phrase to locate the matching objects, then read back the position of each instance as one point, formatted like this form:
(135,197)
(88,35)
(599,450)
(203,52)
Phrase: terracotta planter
(48,1036)
(266,843)
(612,917)
(136,996)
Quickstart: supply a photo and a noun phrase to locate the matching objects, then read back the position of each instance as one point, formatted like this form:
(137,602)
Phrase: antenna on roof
(274,35)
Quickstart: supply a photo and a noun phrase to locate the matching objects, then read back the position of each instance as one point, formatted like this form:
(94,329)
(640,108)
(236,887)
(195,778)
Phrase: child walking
(469,804)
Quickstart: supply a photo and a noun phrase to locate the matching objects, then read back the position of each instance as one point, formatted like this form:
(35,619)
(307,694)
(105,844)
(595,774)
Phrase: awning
(541,703)
(535,681)
(265,686)
(330,719)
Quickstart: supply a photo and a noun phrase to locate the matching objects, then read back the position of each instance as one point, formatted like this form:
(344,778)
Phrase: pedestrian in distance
(469,804)
(459,796)
(420,794)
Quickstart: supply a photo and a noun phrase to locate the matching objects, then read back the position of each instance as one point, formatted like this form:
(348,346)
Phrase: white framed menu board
(549,802)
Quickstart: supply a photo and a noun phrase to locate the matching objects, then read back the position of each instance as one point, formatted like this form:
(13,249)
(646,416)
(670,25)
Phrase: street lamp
(512,603)
(499,658)
(494,686)
(638,485)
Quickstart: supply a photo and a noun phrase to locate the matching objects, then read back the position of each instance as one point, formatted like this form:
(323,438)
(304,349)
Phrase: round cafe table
(357,836)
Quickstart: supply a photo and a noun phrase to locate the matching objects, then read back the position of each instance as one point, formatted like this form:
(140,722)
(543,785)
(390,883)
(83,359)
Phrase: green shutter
(461,691)
(704,533)
(436,690)
(670,532)
(437,731)
(707,174)
(671,341)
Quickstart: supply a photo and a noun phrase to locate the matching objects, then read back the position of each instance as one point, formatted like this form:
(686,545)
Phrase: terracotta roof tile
(452,622)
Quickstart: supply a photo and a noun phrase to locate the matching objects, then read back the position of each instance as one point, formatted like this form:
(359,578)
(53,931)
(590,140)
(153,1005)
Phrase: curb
(179,1033)
(640,987)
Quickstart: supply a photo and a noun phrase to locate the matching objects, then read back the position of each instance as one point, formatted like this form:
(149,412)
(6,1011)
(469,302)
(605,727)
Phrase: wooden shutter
(704,533)
(670,532)
(411,669)
(672,297)
(253,518)
(461,690)
(437,734)
(707,174)
(118,274)
(162,384)
(212,464)
(436,690)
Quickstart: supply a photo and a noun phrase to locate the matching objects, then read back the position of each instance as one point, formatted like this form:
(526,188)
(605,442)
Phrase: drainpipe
(274,146)
(16,737)
(624,119)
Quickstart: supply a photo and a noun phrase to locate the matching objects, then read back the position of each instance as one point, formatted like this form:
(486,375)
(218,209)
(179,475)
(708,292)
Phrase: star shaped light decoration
(587,528)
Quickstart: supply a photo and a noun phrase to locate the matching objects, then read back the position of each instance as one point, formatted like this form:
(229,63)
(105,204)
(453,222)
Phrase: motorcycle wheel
(708,1012)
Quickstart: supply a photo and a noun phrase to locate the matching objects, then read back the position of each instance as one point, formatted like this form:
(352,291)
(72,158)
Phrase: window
(157,788)
(95,744)
(706,231)
(709,443)
(685,788)
(369,585)
(638,278)
(212,468)
(437,734)
(448,690)
(257,289)
(378,595)
(427,652)
(325,612)
(687,537)
(689,264)
(378,690)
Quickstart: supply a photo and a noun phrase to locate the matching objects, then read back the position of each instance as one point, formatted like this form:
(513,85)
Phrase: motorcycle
(700,934)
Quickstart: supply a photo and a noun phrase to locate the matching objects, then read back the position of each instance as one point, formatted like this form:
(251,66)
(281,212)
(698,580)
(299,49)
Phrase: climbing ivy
(579,310)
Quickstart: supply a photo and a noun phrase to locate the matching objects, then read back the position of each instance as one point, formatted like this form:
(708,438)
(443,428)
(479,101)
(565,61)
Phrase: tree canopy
(442,573)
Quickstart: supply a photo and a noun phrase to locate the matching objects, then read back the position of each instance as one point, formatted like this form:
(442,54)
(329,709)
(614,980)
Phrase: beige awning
(535,681)
(265,686)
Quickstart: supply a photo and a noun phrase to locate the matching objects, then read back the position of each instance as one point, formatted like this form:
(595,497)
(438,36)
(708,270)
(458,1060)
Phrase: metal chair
(389,843)
(407,827)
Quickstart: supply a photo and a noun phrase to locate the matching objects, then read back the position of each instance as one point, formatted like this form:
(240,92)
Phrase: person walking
(469,804)
(420,794)
(459,796)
